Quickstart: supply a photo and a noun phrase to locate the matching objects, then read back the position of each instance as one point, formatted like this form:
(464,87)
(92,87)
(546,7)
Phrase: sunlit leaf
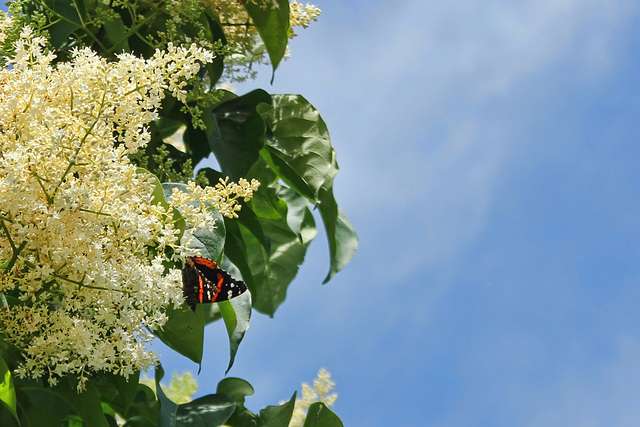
(7,389)
(207,411)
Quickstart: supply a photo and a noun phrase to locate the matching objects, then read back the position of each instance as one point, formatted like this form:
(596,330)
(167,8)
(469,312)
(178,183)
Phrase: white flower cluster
(222,198)
(301,15)
(82,246)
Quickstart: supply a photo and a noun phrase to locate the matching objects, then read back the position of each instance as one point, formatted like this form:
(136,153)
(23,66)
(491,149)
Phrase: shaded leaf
(277,416)
(273,27)
(145,409)
(236,313)
(184,332)
(116,390)
(342,237)
(238,133)
(319,415)
(168,409)
(86,404)
(72,14)
(115,31)
(236,388)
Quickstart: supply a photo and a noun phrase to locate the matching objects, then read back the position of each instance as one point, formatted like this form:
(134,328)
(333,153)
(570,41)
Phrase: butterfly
(203,282)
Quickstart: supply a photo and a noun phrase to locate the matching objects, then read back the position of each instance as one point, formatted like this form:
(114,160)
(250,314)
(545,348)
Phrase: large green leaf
(300,152)
(86,404)
(145,409)
(300,148)
(168,409)
(269,272)
(277,416)
(343,240)
(7,389)
(39,405)
(215,68)
(70,16)
(319,415)
(273,27)
(117,391)
(184,332)
(268,241)
(239,132)
(207,411)
(237,389)
(115,31)
(236,314)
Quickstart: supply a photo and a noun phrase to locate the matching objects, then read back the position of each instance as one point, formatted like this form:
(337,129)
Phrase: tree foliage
(278,139)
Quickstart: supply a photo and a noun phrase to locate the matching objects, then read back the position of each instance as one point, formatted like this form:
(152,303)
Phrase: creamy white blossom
(82,244)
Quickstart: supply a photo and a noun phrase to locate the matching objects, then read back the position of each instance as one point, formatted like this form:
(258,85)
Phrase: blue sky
(489,161)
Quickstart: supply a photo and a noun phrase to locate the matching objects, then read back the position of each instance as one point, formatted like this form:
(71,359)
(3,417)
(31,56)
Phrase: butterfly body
(204,282)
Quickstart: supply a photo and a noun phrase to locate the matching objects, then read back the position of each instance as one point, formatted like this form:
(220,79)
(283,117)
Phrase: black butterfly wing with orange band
(203,282)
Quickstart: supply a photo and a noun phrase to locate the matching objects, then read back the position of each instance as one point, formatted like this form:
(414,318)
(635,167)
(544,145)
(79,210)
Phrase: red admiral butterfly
(203,281)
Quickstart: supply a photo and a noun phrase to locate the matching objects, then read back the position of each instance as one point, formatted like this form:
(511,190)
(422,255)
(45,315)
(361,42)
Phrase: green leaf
(115,31)
(184,332)
(236,314)
(127,388)
(238,134)
(273,27)
(246,216)
(319,415)
(269,261)
(197,141)
(168,409)
(300,152)
(39,405)
(277,416)
(116,390)
(236,388)
(342,237)
(207,411)
(167,127)
(86,404)
(8,350)
(7,390)
(145,409)
(215,68)
(299,149)
(71,15)
(213,240)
